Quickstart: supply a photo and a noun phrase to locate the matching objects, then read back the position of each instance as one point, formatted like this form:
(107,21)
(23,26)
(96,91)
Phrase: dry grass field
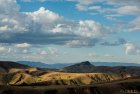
(61,78)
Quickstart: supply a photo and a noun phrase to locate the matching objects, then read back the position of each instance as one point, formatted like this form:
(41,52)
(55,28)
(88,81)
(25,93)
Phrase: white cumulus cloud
(23,45)
(3,50)
(132,49)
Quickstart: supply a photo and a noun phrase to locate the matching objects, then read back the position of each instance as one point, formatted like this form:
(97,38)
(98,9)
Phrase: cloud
(120,41)
(23,45)
(89,28)
(23,51)
(26,0)
(3,50)
(10,18)
(45,27)
(22,32)
(108,56)
(123,2)
(86,2)
(42,0)
(128,7)
(93,55)
(135,25)
(81,7)
(113,11)
(82,43)
(11,24)
(44,16)
(33,0)
(129,10)
(52,50)
(43,52)
(132,49)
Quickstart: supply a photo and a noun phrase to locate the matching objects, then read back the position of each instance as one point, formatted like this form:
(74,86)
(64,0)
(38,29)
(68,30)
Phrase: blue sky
(68,31)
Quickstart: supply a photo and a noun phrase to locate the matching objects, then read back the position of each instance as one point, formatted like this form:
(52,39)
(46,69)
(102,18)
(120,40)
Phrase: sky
(69,31)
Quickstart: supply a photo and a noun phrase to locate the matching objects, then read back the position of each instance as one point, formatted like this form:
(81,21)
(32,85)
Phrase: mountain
(114,64)
(62,65)
(49,82)
(13,73)
(85,67)
(6,66)
(43,65)
(33,64)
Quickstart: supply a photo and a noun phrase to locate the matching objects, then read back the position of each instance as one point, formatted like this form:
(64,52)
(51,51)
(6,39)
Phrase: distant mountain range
(62,65)
(114,64)
(43,65)
(87,67)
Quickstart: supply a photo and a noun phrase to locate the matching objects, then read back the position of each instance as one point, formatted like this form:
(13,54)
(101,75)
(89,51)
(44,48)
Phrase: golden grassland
(62,78)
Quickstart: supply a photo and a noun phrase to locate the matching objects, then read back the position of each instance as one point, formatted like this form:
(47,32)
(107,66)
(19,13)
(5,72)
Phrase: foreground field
(61,78)
(127,86)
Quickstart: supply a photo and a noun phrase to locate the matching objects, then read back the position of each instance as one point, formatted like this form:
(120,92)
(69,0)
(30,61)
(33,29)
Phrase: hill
(88,67)
(125,86)
(6,66)
(61,78)
(18,74)
(114,64)
(44,65)
(83,73)
(79,67)
(17,78)
(62,65)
